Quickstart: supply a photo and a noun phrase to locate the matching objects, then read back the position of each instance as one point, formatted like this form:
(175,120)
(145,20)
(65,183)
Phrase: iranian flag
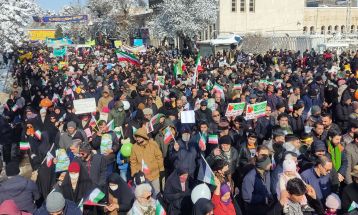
(24,146)
(49,159)
(110,125)
(95,196)
(202,141)
(237,87)
(38,134)
(159,210)
(218,89)
(213,139)
(168,136)
(353,206)
(160,81)
(145,168)
(93,122)
(123,56)
(178,68)
(198,68)
(134,130)
(15,108)
(205,173)
(153,121)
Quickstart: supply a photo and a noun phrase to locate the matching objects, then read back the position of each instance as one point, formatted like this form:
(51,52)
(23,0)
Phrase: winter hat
(141,132)
(55,202)
(225,140)
(333,201)
(289,165)
(12,168)
(319,145)
(224,188)
(74,167)
(71,124)
(315,110)
(139,178)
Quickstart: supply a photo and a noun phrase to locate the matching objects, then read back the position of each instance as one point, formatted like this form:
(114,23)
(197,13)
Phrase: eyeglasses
(216,115)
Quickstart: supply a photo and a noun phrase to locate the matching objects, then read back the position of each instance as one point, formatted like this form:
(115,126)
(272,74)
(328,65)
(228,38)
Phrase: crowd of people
(135,154)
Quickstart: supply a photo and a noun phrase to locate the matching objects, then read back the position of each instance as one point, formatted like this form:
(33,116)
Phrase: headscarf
(123,193)
(224,188)
(202,207)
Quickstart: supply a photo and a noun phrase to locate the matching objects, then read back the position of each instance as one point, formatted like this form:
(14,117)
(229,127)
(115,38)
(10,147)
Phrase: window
(242,5)
(323,30)
(233,5)
(353,29)
(336,28)
(343,29)
(311,30)
(305,29)
(329,31)
(252,6)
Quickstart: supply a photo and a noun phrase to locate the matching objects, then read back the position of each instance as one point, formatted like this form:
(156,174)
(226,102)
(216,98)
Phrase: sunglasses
(147,198)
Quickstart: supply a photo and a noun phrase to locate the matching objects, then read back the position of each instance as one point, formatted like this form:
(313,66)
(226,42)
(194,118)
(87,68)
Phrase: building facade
(281,17)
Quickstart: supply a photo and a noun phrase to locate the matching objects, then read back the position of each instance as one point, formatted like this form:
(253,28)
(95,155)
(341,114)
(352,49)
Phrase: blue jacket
(255,189)
(23,191)
(321,184)
(70,209)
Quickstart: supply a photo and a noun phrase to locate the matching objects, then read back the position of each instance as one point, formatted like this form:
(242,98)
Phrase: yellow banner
(41,34)
(91,43)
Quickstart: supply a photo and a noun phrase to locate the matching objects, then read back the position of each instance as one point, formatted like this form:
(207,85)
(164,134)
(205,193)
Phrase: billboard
(45,19)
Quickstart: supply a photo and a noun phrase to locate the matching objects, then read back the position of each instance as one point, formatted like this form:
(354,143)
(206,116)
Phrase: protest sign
(63,161)
(85,105)
(235,109)
(187,116)
(256,110)
(106,143)
(117,43)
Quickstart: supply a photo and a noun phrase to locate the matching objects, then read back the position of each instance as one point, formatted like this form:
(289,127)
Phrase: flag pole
(207,164)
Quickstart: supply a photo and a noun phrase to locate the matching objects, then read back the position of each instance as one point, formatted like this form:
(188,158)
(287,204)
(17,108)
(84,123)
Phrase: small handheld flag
(213,139)
(95,196)
(353,206)
(145,168)
(49,159)
(24,146)
(38,134)
(205,173)
(159,210)
(202,141)
(168,136)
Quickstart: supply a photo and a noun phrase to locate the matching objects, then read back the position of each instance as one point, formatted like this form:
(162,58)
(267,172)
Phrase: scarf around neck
(292,208)
(336,155)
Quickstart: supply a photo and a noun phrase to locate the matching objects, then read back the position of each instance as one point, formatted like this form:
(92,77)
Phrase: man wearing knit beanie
(57,204)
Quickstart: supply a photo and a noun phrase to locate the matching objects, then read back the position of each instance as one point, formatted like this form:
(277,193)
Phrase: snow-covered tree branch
(15,16)
(187,17)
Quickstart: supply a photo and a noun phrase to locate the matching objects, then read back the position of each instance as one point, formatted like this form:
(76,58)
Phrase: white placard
(85,105)
(103,116)
(187,116)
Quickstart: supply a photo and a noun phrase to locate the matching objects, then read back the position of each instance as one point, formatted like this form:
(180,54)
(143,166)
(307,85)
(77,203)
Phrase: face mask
(185,137)
(113,187)
(120,109)
(74,175)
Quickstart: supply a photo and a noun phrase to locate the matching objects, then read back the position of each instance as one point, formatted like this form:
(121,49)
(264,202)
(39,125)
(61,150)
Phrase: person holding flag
(350,194)
(147,157)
